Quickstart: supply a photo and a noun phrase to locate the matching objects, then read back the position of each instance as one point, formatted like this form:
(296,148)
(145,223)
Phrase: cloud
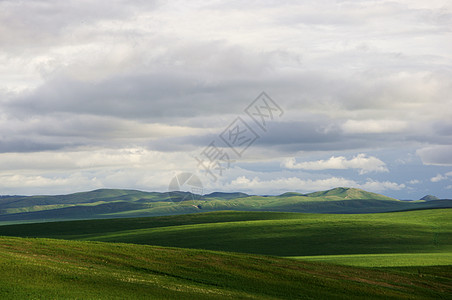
(437,178)
(296,184)
(90,168)
(436,155)
(362,162)
(373,126)
(39,133)
(94,158)
(380,186)
(287,184)
(441,177)
(167,77)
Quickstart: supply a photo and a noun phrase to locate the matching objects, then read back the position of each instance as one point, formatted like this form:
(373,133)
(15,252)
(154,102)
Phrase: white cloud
(373,126)
(380,186)
(437,178)
(83,180)
(414,181)
(362,162)
(31,181)
(94,158)
(441,177)
(85,169)
(278,185)
(287,184)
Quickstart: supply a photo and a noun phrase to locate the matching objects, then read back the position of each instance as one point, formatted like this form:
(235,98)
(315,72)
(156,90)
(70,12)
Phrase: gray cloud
(48,22)
(170,76)
(436,155)
(27,145)
(149,96)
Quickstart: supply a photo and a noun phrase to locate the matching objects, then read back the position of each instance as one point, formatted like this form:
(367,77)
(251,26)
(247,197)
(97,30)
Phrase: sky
(261,97)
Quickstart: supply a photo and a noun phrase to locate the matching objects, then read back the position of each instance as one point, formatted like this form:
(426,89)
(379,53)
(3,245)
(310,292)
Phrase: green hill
(349,193)
(106,203)
(105,195)
(270,233)
(290,194)
(429,198)
(54,269)
(221,195)
(399,255)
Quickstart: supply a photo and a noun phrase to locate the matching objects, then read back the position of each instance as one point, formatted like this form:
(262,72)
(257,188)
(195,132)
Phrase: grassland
(384,260)
(58,269)
(281,234)
(399,255)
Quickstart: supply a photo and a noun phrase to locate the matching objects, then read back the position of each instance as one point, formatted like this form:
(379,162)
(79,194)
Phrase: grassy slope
(42,268)
(384,260)
(282,234)
(348,193)
(76,198)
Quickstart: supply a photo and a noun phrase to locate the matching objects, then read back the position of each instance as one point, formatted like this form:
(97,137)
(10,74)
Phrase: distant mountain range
(114,203)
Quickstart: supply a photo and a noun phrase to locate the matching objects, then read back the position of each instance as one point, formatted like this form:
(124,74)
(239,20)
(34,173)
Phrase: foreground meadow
(270,255)
(57,269)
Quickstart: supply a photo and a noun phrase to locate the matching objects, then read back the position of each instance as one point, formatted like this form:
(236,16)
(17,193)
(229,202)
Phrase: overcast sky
(128,94)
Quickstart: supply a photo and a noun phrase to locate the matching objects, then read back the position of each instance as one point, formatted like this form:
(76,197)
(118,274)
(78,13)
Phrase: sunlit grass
(58,269)
(384,260)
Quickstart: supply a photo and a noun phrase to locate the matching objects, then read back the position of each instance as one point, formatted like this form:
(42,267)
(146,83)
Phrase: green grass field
(57,269)
(384,260)
(281,234)
(403,255)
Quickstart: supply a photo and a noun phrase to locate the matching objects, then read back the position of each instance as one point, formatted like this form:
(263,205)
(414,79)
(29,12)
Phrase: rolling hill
(111,203)
(348,193)
(269,233)
(55,269)
(397,255)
